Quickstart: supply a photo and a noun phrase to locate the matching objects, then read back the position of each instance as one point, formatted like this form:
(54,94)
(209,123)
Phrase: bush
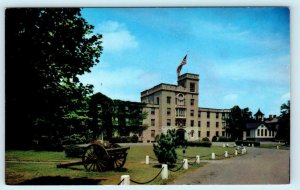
(134,139)
(164,149)
(214,139)
(225,139)
(245,143)
(199,143)
(123,139)
(205,139)
(74,151)
(74,139)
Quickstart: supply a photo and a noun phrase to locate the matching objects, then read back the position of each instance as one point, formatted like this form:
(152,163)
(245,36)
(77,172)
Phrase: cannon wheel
(95,158)
(119,160)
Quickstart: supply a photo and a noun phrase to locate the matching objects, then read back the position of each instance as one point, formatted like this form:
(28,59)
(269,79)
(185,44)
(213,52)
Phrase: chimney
(270,117)
(274,116)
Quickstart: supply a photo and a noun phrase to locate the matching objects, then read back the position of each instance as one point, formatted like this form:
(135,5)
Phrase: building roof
(253,125)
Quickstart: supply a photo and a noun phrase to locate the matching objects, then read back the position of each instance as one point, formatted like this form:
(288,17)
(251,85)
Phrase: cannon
(101,157)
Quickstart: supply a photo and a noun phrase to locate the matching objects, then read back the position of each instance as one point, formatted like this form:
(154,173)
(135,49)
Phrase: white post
(226,154)
(223,145)
(125,180)
(213,156)
(198,159)
(227,145)
(235,152)
(277,147)
(249,144)
(252,144)
(147,159)
(186,164)
(164,172)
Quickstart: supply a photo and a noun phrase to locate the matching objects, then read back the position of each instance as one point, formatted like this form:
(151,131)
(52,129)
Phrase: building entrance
(180,133)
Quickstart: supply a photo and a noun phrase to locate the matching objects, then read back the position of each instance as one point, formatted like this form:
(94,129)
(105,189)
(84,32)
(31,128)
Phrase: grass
(38,167)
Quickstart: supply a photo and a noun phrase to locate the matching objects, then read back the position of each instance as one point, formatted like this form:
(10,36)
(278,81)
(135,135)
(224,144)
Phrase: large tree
(45,51)
(236,121)
(284,122)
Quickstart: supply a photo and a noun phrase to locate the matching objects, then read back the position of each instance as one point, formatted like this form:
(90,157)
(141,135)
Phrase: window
(266,132)
(152,122)
(273,133)
(208,115)
(223,124)
(168,100)
(223,133)
(199,123)
(192,113)
(262,132)
(208,124)
(199,114)
(217,115)
(223,115)
(217,133)
(270,133)
(192,102)
(199,133)
(168,122)
(152,133)
(258,132)
(180,112)
(157,100)
(192,123)
(152,111)
(217,124)
(207,133)
(192,87)
(192,133)
(168,111)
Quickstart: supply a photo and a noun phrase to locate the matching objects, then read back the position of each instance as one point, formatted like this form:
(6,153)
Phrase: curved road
(258,166)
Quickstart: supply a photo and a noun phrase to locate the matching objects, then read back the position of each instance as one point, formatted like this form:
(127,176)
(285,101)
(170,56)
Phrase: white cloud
(116,36)
(232,98)
(272,69)
(285,96)
(123,83)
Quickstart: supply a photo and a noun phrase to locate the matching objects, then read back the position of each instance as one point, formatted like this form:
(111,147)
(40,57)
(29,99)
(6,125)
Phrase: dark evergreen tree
(236,121)
(284,122)
(165,148)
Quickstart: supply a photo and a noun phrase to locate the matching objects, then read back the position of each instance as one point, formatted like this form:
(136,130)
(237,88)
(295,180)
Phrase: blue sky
(241,54)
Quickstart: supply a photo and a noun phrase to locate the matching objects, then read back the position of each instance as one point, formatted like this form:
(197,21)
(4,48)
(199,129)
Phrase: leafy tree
(100,111)
(165,148)
(45,51)
(284,122)
(236,121)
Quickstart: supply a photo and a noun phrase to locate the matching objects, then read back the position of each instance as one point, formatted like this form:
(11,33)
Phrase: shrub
(123,139)
(245,143)
(214,139)
(164,149)
(199,143)
(134,138)
(225,139)
(205,139)
(74,151)
(74,139)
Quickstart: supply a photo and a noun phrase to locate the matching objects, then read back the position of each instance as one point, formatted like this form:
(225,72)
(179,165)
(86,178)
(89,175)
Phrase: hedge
(246,143)
(199,143)
(74,151)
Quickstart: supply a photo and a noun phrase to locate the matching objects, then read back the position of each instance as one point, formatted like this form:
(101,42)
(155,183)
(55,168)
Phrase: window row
(264,132)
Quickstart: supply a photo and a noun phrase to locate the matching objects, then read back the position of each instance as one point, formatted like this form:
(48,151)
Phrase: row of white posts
(165,173)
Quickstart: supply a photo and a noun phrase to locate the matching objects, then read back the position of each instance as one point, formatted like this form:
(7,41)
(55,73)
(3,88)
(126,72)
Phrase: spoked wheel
(95,158)
(119,160)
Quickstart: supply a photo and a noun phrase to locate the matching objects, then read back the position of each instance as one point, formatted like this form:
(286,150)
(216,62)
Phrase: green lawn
(40,167)
(274,146)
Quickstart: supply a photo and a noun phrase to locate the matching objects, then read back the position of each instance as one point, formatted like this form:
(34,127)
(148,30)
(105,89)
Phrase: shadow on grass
(59,180)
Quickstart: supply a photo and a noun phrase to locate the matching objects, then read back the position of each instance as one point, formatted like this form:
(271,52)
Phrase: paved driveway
(258,166)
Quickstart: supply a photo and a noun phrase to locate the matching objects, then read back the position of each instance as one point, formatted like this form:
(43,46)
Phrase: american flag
(183,62)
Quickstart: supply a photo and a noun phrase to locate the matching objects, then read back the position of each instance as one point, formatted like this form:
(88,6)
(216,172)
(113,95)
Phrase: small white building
(260,131)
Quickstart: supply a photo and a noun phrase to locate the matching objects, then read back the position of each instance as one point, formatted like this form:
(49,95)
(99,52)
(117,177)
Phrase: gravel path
(258,166)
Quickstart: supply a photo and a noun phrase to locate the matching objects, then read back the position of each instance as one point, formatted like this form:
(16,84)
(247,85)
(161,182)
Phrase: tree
(45,51)
(236,121)
(284,122)
(165,148)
